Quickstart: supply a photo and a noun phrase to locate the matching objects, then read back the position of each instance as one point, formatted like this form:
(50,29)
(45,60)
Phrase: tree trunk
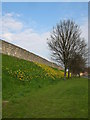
(65,73)
(71,75)
(79,74)
(68,73)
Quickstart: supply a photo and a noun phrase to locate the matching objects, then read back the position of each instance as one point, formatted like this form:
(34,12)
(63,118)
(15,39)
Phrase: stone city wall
(13,50)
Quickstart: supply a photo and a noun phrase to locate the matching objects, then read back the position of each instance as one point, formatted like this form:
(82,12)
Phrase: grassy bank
(32,90)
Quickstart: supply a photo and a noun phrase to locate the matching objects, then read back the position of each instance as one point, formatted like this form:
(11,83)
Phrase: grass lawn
(41,93)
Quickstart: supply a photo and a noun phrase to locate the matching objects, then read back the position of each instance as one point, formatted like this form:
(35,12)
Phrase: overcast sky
(28,25)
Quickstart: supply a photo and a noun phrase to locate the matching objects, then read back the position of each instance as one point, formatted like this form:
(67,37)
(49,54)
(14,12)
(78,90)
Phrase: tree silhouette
(65,42)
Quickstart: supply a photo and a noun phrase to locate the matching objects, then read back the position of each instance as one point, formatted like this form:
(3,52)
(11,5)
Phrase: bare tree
(64,42)
(77,64)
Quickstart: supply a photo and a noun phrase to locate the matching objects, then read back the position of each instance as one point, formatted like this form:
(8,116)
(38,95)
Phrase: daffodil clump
(51,72)
(26,71)
(19,74)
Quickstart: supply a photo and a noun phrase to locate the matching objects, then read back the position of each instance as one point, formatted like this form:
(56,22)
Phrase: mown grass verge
(31,90)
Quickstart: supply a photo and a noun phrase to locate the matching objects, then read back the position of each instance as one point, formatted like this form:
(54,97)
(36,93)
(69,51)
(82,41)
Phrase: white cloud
(9,23)
(32,41)
(7,36)
(25,38)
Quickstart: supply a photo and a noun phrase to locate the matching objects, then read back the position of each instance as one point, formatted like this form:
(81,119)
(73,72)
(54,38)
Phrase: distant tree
(65,42)
(77,64)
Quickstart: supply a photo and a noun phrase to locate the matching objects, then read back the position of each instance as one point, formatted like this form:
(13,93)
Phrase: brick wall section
(13,50)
